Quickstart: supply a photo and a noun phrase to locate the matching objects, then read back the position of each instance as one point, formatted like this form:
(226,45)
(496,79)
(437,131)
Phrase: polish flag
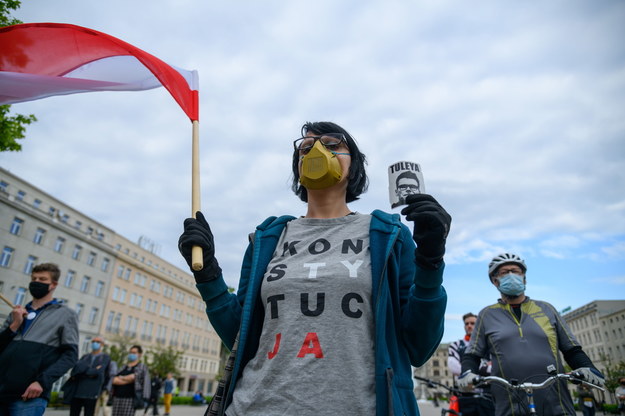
(39,60)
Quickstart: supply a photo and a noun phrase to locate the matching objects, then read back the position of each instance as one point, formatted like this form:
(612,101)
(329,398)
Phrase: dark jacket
(46,351)
(91,375)
(409,308)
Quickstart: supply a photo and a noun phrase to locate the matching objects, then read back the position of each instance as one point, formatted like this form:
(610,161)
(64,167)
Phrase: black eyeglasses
(331,141)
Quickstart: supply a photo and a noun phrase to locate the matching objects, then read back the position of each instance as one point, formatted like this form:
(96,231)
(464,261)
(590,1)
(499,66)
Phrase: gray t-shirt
(316,350)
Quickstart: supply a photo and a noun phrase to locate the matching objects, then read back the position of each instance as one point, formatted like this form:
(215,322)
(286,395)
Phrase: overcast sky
(515,111)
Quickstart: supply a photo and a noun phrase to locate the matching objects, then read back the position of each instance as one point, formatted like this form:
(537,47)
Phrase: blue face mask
(511,284)
(132,357)
(95,346)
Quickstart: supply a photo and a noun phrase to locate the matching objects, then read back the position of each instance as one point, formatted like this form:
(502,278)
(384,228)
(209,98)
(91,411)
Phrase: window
(64,218)
(84,285)
(30,263)
(91,258)
(116,322)
(59,244)
(3,186)
(39,235)
(127,274)
(20,195)
(19,296)
(7,253)
(105,264)
(16,226)
(37,203)
(109,321)
(122,296)
(99,287)
(51,211)
(78,309)
(115,294)
(77,224)
(76,252)
(69,278)
(120,271)
(93,315)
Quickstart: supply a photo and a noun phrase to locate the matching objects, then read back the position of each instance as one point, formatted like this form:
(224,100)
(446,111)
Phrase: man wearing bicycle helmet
(523,337)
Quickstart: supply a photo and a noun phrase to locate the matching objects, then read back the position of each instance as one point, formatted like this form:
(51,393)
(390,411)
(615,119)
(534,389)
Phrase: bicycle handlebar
(573,377)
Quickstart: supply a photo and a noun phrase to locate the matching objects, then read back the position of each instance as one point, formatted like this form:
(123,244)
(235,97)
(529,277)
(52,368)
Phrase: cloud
(514,112)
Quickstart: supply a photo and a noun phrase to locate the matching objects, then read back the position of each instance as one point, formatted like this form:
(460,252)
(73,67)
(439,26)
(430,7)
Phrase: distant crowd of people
(39,345)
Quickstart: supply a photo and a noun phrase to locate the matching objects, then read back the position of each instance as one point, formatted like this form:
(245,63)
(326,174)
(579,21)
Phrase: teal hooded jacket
(409,308)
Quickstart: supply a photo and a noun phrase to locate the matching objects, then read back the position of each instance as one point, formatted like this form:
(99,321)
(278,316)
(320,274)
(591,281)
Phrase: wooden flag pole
(197,262)
(8,302)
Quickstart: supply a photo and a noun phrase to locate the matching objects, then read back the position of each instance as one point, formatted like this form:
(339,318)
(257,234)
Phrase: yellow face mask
(320,168)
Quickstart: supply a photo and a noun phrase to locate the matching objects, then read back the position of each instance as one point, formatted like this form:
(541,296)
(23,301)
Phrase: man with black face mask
(38,344)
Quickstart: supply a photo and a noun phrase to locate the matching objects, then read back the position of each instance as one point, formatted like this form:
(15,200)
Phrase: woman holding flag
(332,307)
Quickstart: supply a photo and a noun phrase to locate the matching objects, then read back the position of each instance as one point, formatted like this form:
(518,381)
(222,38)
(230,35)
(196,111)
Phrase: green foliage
(118,348)
(162,360)
(5,7)
(11,128)
(612,373)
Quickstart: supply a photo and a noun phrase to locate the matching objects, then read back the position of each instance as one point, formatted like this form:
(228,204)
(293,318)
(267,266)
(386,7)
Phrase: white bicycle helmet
(505,258)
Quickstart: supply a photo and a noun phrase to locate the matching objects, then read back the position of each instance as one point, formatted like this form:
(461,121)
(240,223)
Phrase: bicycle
(454,394)
(529,388)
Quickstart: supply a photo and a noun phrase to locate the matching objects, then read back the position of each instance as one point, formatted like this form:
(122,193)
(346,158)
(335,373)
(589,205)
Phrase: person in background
(620,395)
(333,307)
(131,385)
(198,398)
(102,407)
(469,404)
(524,338)
(586,401)
(90,374)
(155,393)
(169,386)
(38,345)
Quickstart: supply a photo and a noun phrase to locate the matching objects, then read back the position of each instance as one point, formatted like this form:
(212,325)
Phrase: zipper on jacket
(518,323)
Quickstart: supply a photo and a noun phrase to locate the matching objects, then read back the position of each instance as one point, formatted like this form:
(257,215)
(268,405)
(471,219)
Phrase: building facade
(117,288)
(600,327)
(434,369)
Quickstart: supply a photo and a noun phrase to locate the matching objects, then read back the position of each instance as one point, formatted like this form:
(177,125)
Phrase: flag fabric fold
(39,60)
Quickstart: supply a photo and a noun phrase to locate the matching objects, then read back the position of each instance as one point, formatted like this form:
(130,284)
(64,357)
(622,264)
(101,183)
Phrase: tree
(118,349)
(163,360)
(612,373)
(11,128)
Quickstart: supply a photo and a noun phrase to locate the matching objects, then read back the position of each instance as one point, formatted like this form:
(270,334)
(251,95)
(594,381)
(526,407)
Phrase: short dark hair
(468,315)
(52,268)
(358,182)
(138,347)
(407,174)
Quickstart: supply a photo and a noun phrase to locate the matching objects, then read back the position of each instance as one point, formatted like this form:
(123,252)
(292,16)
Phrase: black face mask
(38,289)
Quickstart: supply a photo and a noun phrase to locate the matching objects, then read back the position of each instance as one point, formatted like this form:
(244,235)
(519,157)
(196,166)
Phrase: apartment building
(117,287)
(436,370)
(600,327)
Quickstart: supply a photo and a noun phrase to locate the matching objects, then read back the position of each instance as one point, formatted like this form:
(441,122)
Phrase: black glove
(431,226)
(198,233)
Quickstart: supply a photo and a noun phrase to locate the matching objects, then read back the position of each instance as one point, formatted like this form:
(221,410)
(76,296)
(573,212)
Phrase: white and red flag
(39,60)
